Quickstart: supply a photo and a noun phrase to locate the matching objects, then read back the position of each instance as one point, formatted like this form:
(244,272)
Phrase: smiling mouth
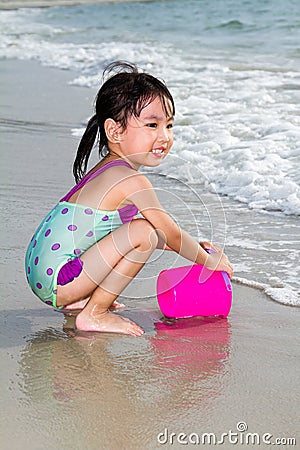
(158,152)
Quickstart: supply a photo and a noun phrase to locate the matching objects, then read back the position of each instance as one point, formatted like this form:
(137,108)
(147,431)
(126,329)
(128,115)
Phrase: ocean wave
(232,25)
(261,188)
(283,294)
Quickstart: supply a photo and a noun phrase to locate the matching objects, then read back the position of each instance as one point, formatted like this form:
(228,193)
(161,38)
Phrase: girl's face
(148,138)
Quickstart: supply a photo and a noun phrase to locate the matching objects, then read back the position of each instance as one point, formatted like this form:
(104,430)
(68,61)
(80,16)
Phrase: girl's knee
(144,232)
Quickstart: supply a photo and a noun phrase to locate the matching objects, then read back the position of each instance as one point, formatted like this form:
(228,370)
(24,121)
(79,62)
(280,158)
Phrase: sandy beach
(11,4)
(62,389)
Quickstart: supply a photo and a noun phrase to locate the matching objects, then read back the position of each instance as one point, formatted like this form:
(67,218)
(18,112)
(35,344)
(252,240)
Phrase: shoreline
(11,5)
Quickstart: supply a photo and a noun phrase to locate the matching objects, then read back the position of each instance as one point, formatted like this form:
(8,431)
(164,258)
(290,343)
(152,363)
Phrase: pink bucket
(194,291)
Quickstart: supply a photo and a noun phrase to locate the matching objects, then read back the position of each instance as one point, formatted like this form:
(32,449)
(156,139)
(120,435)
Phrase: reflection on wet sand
(188,353)
(122,391)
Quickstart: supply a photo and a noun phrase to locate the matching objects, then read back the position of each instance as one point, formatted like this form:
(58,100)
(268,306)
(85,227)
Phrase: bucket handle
(224,274)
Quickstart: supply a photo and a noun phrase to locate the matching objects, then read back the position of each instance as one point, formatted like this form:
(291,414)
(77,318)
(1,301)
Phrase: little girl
(91,245)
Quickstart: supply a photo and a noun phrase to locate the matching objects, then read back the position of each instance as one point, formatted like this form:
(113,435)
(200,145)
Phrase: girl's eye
(154,125)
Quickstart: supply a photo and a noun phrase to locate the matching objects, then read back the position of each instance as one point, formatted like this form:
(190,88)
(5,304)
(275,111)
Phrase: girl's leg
(76,307)
(108,267)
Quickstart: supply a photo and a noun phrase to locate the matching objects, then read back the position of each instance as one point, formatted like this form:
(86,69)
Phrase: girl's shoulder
(121,170)
(134,181)
(120,182)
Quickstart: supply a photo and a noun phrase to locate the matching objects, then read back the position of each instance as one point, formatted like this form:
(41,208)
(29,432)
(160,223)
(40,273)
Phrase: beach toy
(194,291)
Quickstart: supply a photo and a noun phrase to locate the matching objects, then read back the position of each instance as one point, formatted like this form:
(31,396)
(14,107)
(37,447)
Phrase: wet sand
(64,389)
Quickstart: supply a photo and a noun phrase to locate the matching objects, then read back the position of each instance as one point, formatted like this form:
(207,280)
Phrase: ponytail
(85,147)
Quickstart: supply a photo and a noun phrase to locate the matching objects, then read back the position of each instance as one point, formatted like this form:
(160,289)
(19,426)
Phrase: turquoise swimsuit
(68,230)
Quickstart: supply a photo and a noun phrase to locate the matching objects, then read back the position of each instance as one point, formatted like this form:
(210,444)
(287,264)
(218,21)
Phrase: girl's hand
(219,261)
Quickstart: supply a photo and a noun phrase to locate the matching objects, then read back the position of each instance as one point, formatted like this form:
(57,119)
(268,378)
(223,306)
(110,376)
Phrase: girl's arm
(139,191)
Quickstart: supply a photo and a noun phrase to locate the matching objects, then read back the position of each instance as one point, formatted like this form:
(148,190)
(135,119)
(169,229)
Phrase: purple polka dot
(34,244)
(48,302)
(77,251)
(88,211)
(104,218)
(72,227)
(39,286)
(55,247)
(36,261)
(48,218)
(54,292)
(28,270)
(49,271)
(47,233)
(89,234)
(64,211)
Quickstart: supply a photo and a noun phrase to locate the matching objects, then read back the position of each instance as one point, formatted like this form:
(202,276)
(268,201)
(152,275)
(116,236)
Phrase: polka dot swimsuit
(67,232)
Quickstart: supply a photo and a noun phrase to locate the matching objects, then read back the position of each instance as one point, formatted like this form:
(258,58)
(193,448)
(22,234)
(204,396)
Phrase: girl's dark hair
(122,95)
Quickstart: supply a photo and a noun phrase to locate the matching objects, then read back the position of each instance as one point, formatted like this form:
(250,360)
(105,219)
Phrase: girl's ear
(112,130)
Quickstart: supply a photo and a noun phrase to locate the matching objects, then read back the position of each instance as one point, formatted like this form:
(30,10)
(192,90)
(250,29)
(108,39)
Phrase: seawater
(234,70)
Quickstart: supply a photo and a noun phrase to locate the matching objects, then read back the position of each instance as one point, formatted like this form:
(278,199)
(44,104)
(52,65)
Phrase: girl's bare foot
(107,322)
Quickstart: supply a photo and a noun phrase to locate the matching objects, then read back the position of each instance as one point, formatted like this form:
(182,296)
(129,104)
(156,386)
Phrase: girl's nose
(164,135)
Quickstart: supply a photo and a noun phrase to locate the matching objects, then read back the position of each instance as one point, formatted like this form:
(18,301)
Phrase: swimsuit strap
(91,176)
